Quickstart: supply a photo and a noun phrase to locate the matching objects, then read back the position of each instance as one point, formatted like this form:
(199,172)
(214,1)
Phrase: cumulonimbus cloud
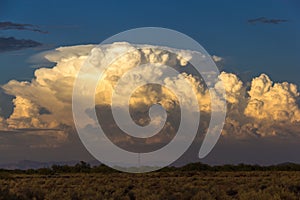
(265,109)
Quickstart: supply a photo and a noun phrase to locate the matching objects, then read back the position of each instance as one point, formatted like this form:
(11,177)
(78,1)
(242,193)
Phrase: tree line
(84,167)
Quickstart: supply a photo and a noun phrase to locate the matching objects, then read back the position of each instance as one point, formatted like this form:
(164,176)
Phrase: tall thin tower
(139,161)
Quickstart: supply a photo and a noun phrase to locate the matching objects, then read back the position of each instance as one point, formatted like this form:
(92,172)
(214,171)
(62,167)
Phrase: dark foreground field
(157,185)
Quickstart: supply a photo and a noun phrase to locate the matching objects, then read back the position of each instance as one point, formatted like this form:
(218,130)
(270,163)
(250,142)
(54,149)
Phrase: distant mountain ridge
(198,166)
(29,164)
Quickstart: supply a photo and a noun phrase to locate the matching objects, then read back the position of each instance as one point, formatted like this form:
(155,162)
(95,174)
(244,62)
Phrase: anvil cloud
(265,109)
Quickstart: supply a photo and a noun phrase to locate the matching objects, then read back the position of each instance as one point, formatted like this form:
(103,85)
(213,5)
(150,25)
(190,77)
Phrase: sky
(269,44)
(220,27)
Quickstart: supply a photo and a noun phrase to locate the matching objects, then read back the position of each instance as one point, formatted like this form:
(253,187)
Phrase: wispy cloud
(12,44)
(16,26)
(265,20)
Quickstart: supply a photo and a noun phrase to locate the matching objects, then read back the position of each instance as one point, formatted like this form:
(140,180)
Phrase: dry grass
(158,185)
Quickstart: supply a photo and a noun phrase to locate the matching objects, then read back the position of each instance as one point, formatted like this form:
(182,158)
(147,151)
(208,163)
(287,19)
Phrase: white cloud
(250,113)
(270,101)
(217,58)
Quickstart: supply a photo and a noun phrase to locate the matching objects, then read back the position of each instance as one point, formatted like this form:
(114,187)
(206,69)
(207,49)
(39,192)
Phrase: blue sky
(220,26)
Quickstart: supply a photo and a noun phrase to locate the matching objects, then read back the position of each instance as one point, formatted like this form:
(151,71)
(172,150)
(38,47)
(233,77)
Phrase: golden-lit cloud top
(263,109)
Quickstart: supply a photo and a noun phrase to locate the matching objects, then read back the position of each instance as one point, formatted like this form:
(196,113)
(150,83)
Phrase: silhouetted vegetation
(84,167)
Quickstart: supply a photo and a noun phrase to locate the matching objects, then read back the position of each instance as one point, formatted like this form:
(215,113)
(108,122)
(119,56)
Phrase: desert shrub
(5,194)
(201,195)
(5,175)
(256,195)
(30,193)
(157,185)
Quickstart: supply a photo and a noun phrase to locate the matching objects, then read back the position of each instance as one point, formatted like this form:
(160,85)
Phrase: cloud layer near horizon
(12,43)
(265,109)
